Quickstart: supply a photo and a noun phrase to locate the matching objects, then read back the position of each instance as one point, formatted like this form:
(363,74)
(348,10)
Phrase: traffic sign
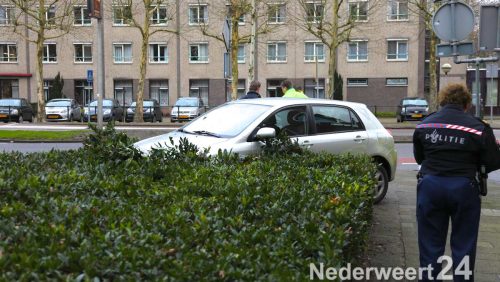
(446,50)
(453,21)
(226,34)
(90,76)
(489,25)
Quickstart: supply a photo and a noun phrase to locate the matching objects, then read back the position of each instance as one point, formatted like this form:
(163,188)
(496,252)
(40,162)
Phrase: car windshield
(187,103)
(105,103)
(227,120)
(58,103)
(415,102)
(144,104)
(10,102)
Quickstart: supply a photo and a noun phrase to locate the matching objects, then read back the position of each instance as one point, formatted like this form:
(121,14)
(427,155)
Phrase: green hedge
(106,212)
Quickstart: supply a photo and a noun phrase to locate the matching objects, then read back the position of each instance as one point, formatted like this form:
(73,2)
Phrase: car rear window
(331,119)
(10,102)
(415,102)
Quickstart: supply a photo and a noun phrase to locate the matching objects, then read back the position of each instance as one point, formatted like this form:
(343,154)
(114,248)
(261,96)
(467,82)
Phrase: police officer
(451,145)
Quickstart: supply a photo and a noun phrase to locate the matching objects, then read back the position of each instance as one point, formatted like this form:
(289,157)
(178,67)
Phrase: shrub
(80,215)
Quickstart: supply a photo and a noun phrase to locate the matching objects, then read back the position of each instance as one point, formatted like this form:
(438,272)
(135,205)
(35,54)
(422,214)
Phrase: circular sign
(463,24)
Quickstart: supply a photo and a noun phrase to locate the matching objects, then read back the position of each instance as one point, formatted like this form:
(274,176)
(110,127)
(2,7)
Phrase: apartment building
(382,62)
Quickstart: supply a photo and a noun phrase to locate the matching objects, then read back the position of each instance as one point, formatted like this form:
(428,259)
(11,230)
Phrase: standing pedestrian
(451,146)
(253,90)
(289,91)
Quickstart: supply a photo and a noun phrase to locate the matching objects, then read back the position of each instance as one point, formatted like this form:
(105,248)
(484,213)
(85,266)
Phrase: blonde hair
(455,93)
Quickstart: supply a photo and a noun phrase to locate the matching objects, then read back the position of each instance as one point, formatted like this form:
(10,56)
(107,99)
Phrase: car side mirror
(265,133)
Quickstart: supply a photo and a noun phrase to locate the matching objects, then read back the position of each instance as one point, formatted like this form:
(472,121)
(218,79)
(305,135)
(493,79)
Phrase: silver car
(318,125)
(63,110)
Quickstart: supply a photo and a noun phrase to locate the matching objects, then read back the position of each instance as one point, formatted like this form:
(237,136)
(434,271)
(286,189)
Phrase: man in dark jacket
(253,90)
(451,145)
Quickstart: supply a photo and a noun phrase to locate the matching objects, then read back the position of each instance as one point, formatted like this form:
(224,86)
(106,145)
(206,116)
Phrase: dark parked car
(413,108)
(15,109)
(151,108)
(111,110)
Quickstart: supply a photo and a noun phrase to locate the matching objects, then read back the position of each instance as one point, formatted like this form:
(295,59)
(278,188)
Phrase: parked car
(412,108)
(187,108)
(317,124)
(63,110)
(151,108)
(15,109)
(111,110)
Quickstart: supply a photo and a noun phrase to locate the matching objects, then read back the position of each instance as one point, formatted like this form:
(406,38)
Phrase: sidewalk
(393,238)
(391,123)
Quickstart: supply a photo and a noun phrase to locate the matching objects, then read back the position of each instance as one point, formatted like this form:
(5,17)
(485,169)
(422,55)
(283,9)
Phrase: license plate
(52,116)
(183,116)
(3,116)
(417,115)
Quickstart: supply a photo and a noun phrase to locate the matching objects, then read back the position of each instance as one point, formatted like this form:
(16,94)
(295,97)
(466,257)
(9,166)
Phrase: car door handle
(359,139)
(306,144)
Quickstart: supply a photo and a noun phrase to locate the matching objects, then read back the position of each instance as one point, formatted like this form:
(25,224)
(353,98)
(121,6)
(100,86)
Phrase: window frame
(199,21)
(398,17)
(198,61)
(83,61)
(315,44)
(276,55)
(351,113)
(8,46)
(277,11)
(243,60)
(405,84)
(9,15)
(358,9)
(358,55)
(50,15)
(357,82)
(398,42)
(316,18)
(123,44)
(82,18)
(158,46)
(122,20)
(46,58)
(155,19)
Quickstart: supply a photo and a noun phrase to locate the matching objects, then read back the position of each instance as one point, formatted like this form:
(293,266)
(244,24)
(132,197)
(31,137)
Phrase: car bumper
(183,117)
(145,117)
(414,116)
(56,117)
(7,117)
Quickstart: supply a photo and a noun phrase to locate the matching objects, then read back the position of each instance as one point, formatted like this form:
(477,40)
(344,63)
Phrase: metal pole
(100,66)
(317,80)
(478,95)
(491,100)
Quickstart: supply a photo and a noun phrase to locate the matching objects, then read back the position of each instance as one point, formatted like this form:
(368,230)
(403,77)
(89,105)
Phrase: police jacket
(454,143)
(251,95)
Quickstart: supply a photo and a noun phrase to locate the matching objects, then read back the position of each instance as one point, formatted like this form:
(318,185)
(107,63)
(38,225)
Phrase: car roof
(279,101)
(413,98)
(60,99)
(189,98)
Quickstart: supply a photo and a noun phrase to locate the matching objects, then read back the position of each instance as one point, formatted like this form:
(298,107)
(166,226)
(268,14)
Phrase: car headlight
(403,110)
(193,112)
(129,110)
(107,111)
(14,112)
(427,109)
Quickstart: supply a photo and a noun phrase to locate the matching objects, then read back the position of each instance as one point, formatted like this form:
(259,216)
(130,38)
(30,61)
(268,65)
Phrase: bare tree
(237,12)
(148,17)
(327,21)
(43,20)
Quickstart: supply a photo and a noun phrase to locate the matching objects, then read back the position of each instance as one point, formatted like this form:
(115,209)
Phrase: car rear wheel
(381,185)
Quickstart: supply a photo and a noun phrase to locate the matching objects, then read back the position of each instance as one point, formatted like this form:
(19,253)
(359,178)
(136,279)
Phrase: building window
(83,52)
(158,90)
(159,15)
(83,92)
(81,16)
(122,14)
(397,50)
(9,88)
(241,54)
(357,51)
(398,10)
(396,81)
(353,82)
(273,88)
(50,15)
(198,14)
(276,13)
(241,90)
(313,89)
(8,52)
(123,92)
(158,53)
(276,52)
(6,15)
(47,89)
(314,51)
(314,11)
(49,53)
(199,88)
(198,53)
(122,52)
(358,10)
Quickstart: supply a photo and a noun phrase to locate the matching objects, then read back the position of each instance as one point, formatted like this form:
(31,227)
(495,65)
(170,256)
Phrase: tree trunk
(39,76)
(433,77)
(234,55)
(332,64)
(139,98)
(251,59)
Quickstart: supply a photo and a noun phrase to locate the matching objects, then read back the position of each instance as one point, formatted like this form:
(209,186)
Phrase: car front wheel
(381,185)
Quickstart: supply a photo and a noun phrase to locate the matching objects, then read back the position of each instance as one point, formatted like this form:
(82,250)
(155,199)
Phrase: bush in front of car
(70,215)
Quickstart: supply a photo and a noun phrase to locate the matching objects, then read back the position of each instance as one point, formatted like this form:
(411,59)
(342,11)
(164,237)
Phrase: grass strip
(42,135)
